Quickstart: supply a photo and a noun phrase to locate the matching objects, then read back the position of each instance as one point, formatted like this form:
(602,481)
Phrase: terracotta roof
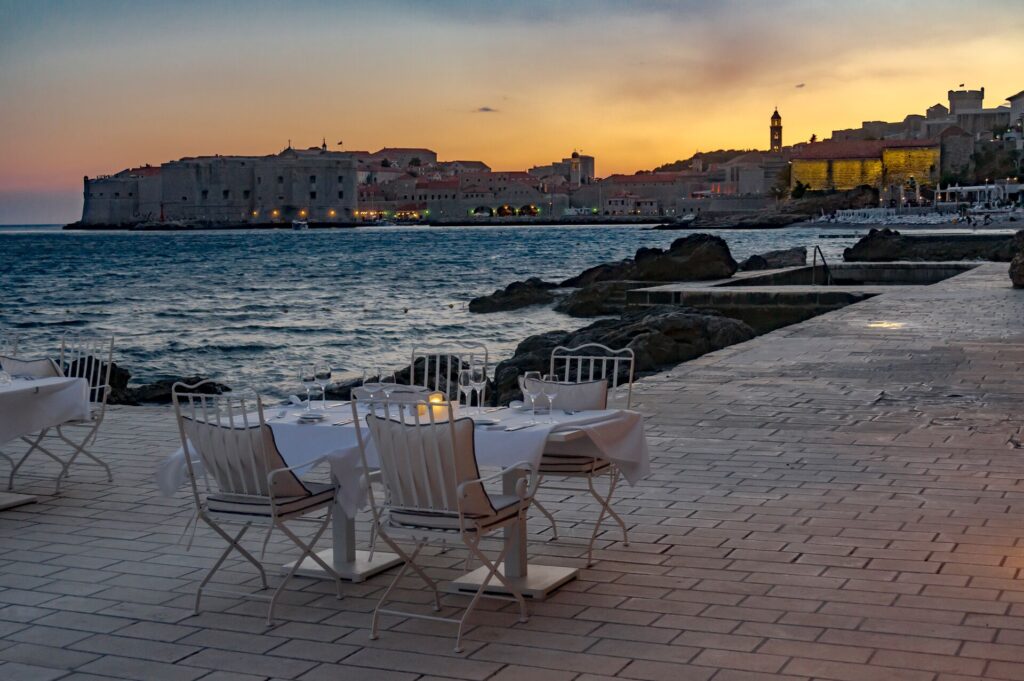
(438,184)
(856,148)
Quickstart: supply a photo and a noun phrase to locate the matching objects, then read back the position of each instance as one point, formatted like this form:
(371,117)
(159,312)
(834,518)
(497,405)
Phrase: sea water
(249,307)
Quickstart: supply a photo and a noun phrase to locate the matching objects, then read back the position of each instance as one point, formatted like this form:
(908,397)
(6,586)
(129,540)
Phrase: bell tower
(776,132)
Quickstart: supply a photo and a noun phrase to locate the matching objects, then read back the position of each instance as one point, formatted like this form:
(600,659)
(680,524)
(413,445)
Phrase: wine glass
(550,389)
(307,377)
(387,382)
(466,385)
(478,379)
(371,382)
(531,388)
(323,374)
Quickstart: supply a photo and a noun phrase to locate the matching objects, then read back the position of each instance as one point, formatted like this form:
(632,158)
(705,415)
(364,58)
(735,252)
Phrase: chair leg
(307,551)
(492,571)
(34,445)
(547,514)
(606,508)
(81,449)
(232,544)
(408,561)
(238,547)
(415,567)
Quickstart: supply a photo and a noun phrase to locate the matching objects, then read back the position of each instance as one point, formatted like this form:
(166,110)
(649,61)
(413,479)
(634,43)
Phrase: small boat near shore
(299,225)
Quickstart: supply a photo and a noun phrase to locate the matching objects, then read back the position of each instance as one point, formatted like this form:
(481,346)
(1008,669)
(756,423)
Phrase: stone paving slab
(840,499)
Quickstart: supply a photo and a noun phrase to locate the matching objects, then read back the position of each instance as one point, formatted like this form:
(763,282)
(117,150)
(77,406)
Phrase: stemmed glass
(478,379)
(388,382)
(307,377)
(371,381)
(531,388)
(323,374)
(466,385)
(550,389)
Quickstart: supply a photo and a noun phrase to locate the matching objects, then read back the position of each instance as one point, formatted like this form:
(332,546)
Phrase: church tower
(776,132)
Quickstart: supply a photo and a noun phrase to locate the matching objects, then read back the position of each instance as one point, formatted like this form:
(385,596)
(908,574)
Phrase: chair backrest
(9,345)
(362,392)
(89,358)
(594,362)
(234,443)
(36,368)
(576,396)
(437,367)
(425,455)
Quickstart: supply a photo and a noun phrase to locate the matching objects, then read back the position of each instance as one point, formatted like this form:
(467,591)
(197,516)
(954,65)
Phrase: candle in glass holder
(438,407)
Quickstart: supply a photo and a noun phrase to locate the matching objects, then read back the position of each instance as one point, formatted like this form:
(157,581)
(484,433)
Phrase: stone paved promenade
(841,499)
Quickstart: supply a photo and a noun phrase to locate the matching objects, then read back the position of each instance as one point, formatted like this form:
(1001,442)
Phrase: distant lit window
(312,195)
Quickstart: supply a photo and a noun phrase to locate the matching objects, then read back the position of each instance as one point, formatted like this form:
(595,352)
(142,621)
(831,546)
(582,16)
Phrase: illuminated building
(775,133)
(875,163)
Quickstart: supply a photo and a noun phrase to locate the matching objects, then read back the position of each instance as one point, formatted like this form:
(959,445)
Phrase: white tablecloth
(28,406)
(616,434)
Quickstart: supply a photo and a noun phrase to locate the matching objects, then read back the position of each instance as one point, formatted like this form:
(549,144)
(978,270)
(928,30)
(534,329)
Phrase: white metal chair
(586,366)
(437,367)
(252,484)
(90,359)
(433,493)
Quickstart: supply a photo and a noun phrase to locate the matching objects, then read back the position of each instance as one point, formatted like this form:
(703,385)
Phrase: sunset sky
(92,87)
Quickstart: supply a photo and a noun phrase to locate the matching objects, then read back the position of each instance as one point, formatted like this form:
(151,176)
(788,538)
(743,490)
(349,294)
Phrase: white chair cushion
(319,494)
(505,505)
(584,396)
(422,466)
(36,368)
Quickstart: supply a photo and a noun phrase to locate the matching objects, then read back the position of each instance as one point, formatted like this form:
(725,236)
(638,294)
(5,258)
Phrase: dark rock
(609,271)
(597,299)
(767,219)
(159,392)
(696,257)
(789,257)
(660,336)
(518,294)
(887,245)
(1017,264)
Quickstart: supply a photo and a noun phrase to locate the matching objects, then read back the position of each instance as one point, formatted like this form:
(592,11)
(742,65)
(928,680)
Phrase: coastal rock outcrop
(767,219)
(533,291)
(597,299)
(660,336)
(1017,264)
(696,257)
(159,392)
(789,257)
(884,245)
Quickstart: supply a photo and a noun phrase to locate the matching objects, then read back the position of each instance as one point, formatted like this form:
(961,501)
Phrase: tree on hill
(707,157)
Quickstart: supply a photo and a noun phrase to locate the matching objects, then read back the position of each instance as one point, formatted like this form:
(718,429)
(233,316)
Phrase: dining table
(30,405)
(503,437)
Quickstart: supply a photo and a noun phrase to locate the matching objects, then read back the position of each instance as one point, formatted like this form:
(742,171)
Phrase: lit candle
(438,407)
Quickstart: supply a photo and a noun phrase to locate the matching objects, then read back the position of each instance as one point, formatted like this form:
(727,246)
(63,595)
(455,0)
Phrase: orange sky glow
(92,88)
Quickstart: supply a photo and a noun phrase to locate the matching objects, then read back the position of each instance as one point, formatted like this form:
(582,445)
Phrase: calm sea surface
(247,307)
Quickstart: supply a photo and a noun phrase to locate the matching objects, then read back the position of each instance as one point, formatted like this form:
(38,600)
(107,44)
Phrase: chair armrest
(291,469)
(524,489)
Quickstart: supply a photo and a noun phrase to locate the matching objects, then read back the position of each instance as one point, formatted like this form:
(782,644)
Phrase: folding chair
(80,357)
(593,370)
(252,484)
(434,493)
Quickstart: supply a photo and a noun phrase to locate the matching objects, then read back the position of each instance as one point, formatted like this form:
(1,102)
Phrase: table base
(358,570)
(539,582)
(8,500)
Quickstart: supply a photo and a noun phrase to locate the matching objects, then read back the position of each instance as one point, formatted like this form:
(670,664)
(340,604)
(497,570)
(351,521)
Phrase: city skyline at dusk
(91,88)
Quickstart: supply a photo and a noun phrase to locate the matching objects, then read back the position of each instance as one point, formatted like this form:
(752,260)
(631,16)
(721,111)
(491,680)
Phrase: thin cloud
(486,109)
(801,85)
